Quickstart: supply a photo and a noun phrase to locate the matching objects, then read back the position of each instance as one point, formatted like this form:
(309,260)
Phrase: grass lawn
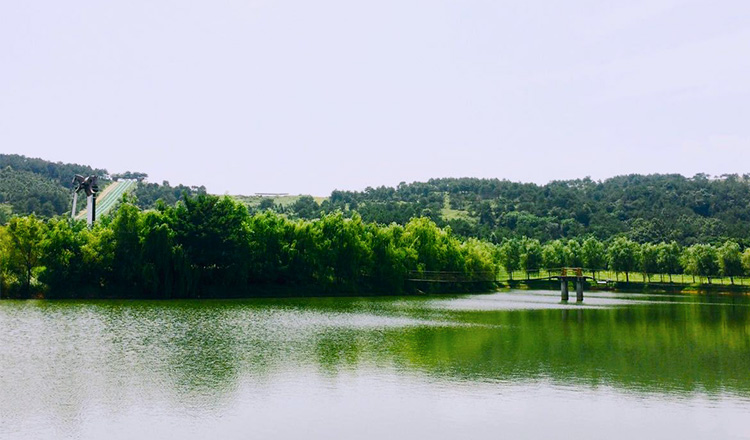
(636,277)
(285,201)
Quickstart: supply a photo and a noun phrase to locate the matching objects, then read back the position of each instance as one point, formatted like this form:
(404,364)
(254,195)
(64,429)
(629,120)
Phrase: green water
(505,365)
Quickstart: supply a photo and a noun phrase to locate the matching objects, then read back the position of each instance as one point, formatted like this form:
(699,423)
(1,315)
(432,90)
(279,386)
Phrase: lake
(512,364)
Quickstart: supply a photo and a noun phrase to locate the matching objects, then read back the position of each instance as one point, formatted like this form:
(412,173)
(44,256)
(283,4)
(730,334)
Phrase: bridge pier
(563,288)
(579,289)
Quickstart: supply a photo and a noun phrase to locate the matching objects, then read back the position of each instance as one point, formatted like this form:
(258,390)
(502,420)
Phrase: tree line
(209,247)
(645,208)
(58,172)
(622,255)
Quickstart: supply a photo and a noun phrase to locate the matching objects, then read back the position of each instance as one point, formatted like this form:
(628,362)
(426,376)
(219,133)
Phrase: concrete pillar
(579,289)
(90,210)
(75,202)
(563,289)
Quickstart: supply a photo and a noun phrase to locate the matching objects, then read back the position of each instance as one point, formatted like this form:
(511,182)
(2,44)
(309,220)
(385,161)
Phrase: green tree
(25,235)
(164,273)
(668,259)
(730,260)
(6,212)
(390,260)
(531,256)
(346,252)
(214,236)
(436,249)
(553,255)
(65,270)
(593,255)
(701,260)
(306,207)
(479,266)
(128,267)
(623,256)
(649,260)
(573,254)
(266,203)
(270,236)
(509,254)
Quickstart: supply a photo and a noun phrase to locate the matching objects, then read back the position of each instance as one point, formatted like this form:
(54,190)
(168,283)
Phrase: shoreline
(632,287)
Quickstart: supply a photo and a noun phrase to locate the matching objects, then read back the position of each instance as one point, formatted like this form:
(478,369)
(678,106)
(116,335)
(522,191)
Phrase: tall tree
(701,260)
(573,253)
(510,255)
(593,255)
(649,260)
(65,268)
(127,248)
(668,259)
(390,260)
(531,257)
(730,260)
(623,256)
(346,252)
(553,255)
(25,234)
(213,233)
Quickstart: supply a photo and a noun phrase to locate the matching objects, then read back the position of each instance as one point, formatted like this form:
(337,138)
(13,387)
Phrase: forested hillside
(26,192)
(40,187)
(30,185)
(60,173)
(645,208)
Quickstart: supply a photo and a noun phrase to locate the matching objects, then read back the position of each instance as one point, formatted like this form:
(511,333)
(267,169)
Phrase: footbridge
(568,275)
(565,275)
(435,276)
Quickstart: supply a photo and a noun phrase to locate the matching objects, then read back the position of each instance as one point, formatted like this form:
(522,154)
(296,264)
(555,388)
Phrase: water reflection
(74,360)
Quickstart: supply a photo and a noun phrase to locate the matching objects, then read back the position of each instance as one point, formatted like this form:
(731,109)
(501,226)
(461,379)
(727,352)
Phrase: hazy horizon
(247,96)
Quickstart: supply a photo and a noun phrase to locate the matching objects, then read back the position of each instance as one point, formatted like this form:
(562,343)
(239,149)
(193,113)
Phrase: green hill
(25,192)
(44,188)
(646,208)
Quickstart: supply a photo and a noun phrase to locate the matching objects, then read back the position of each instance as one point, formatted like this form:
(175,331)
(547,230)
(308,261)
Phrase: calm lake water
(505,365)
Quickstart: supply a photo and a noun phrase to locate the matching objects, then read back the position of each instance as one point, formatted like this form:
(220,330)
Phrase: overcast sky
(308,96)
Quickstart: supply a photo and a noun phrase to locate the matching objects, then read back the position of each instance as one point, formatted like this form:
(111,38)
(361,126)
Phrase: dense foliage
(25,192)
(651,208)
(624,256)
(643,208)
(43,188)
(149,194)
(207,246)
(60,173)
(369,241)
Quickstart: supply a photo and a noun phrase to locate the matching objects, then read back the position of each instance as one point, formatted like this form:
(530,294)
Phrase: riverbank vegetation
(208,246)
(621,259)
(463,233)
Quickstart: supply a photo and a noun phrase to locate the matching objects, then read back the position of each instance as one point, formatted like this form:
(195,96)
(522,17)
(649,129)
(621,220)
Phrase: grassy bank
(632,286)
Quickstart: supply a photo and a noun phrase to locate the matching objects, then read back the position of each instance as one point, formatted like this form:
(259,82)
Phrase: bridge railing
(451,277)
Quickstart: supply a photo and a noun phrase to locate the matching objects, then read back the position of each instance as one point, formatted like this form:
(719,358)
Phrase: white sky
(307,96)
